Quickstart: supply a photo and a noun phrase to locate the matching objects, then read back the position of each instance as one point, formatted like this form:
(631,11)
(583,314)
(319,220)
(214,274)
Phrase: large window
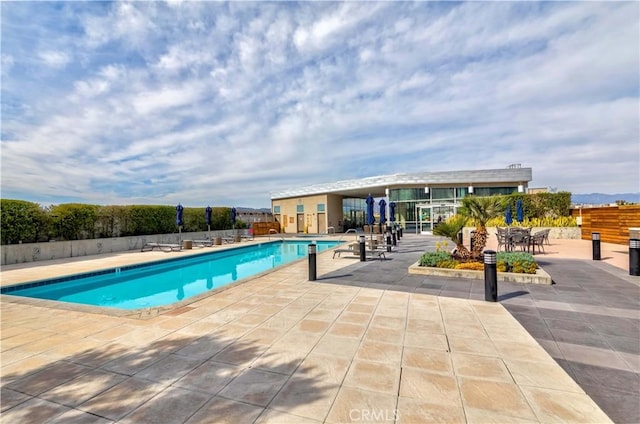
(400,194)
(461,192)
(353,211)
(494,191)
(441,193)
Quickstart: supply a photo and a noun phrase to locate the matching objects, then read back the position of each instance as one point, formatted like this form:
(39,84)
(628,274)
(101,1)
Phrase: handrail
(350,230)
(331,232)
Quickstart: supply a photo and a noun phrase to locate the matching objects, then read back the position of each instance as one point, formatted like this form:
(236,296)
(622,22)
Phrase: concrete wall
(32,252)
(555,233)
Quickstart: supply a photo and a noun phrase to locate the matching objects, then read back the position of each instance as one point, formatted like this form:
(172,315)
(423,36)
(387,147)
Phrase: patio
(279,348)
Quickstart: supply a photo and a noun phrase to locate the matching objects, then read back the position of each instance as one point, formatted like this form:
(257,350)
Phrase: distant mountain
(604,199)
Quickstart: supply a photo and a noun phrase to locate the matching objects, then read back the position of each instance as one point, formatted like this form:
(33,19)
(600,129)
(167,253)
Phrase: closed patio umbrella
(519,211)
(207,217)
(370,218)
(507,215)
(179,222)
(392,211)
(233,217)
(383,211)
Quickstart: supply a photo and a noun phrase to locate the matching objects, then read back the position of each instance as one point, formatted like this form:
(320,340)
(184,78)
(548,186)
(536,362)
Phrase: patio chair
(503,238)
(546,236)
(519,239)
(537,240)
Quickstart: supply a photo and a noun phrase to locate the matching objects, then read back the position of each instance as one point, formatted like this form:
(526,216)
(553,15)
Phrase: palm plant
(480,210)
(450,229)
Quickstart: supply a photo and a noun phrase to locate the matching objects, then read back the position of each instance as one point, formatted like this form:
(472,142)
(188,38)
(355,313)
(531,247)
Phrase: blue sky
(222,103)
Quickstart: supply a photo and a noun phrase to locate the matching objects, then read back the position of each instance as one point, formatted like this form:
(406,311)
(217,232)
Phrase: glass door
(424,214)
(441,213)
(432,215)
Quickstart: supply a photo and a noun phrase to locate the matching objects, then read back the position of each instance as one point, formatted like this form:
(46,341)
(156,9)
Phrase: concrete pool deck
(279,348)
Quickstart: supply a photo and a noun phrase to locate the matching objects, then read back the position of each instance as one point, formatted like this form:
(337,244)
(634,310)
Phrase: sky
(223,103)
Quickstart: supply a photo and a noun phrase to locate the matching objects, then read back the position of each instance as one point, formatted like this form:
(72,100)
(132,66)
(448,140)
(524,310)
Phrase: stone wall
(32,252)
(554,233)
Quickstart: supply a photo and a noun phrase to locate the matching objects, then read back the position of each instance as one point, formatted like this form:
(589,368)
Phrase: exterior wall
(289,214)
(334,212)
(612,222)
(32,252)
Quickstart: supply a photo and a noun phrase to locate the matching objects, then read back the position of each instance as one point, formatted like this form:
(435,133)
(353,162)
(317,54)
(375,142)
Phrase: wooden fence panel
(612,222)
(262,228)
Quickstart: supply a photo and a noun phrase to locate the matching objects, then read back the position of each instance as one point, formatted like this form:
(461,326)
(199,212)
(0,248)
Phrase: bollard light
(363,252)
(634,257)
(490,276)
(595,246)
(311,249)
(393,236)
(388,243)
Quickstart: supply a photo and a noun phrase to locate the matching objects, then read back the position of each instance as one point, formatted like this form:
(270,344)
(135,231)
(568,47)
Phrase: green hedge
(541,205)
(22,221)
(29,222)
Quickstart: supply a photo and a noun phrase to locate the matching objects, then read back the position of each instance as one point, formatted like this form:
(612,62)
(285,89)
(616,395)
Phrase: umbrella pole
(209,231)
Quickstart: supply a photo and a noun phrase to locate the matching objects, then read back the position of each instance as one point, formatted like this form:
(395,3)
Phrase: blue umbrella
(233,216)
(207,215)
(383,211)
(370,202)
(519,211)
(392,211)
(179,210)
(507,215)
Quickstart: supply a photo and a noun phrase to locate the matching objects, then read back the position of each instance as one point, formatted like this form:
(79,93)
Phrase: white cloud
(226,102)
(55,59)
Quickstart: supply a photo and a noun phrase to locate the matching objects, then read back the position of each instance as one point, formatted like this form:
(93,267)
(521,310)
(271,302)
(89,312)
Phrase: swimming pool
(165,282)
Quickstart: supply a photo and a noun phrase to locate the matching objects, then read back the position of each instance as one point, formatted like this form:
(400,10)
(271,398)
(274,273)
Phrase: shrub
(442,246)
(22,221)
(501,266)
(561,221)
(475,266)
(519,262)
(432,258)
(447,263)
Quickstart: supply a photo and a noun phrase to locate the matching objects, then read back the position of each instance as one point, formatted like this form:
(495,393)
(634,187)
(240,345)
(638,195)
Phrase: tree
(480,210)
(450,229)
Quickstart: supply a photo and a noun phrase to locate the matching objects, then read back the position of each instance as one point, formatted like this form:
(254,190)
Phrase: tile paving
(365,342)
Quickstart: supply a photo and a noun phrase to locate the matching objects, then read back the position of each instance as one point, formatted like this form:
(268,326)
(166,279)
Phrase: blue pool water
(169,281)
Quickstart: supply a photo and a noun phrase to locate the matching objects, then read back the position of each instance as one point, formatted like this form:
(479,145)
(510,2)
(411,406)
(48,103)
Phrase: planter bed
(540,277)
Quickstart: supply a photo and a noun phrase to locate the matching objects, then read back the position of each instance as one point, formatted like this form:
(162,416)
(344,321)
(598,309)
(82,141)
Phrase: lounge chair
(379,254)
(167,247)
(203,243)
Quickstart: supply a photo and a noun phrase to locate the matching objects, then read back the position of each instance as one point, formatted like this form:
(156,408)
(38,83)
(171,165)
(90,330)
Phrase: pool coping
(151,312)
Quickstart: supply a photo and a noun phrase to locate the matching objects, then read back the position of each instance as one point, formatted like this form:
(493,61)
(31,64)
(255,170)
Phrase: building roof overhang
(376,186)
